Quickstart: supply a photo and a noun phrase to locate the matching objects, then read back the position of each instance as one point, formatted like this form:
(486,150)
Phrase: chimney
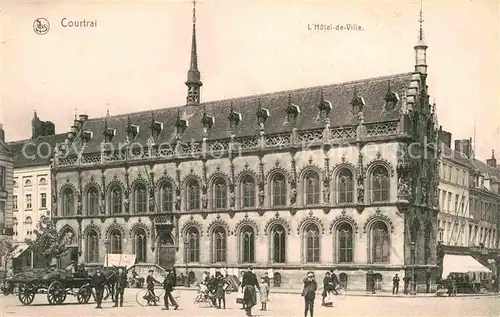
(492,161)
(463,146)
(445,137)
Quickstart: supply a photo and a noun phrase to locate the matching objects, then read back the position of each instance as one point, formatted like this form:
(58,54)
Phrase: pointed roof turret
(193,81)
(421,47)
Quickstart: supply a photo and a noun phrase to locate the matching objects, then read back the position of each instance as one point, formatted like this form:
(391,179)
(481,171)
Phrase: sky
(138,56)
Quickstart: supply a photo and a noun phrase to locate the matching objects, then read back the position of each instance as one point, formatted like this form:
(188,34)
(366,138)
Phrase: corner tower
(193,81)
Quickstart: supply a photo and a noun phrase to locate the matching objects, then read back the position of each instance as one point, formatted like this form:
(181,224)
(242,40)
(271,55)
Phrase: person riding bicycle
(151,281)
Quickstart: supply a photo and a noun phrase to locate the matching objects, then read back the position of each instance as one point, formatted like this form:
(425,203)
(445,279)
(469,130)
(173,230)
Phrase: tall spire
(421,47)
(193,76)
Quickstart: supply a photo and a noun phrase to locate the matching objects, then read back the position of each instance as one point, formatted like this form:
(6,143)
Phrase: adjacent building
(307,179)
(453,218)
(6,168)
(31,184)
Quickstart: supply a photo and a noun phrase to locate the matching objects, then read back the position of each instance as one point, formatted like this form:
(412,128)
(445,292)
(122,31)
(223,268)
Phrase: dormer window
(324,106)
(262,115)
(155,127)
(292,111)
(180,124)
(357,102)
(86,136)
(109,134)
(234,118)
(207,121)
(391,99)
(132,130)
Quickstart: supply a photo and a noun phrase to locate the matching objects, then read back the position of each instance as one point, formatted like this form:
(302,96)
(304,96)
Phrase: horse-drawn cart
(56,285)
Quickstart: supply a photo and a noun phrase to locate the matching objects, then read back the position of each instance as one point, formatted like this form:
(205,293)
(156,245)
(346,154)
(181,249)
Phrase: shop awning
(461,264)
(19,250)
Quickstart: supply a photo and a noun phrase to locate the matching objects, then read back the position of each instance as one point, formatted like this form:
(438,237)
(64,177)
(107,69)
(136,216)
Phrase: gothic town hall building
(331,177)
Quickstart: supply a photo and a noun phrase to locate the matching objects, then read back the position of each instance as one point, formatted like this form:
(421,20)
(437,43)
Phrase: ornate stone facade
(316,178)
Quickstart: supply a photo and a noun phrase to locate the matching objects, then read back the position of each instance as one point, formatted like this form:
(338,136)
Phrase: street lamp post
(413,284)
(106,245)
(186,254)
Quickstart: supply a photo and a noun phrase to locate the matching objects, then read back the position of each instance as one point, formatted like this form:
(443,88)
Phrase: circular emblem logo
(41,26)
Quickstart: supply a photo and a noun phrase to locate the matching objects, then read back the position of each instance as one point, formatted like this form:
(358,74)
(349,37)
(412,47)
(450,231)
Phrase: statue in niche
(403,187)
(361,192)
(178,202)
(231,199)
(102,207)
(261,196)
(293,196)
(204,201)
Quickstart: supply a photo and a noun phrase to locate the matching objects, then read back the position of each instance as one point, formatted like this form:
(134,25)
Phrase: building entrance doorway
(166,251)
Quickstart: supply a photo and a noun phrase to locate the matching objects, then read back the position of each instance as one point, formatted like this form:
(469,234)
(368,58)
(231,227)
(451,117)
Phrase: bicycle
(145,297)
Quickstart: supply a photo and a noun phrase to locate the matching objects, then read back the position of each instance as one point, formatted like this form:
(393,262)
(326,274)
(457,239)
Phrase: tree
(49,244)
(6,249)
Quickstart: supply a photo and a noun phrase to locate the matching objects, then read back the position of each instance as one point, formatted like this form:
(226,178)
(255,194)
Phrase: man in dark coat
(169,285)
(309,293)
(327,288)
(120,284)
(250,284)
(395,284)
(98,281)
(151,281)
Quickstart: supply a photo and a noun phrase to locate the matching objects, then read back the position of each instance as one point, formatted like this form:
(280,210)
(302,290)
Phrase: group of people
(249,285)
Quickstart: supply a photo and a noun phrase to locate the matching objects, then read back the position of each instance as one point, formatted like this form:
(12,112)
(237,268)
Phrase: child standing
(264,293)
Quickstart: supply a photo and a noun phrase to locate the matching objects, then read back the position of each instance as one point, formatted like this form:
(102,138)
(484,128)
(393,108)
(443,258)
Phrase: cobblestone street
(280,305)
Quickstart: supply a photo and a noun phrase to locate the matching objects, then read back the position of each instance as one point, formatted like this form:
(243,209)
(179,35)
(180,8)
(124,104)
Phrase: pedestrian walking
(220,290)
(309,293)
(151,281)
(168,286)
(120,284)
(250,284)
(395,284)
(264,293)
(327,288)
(98,281)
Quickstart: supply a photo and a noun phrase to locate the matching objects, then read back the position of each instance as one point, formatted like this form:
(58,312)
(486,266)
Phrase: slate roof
(485,168)
(32,157)
(372,90)
(456,156)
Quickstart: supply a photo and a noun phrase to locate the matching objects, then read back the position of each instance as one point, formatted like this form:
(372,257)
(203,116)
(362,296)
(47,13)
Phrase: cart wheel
(56,294)
(26,294)
(84,294)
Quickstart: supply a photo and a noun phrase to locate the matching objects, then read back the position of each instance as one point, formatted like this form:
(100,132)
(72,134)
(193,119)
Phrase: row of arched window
(379,241)
(246,194)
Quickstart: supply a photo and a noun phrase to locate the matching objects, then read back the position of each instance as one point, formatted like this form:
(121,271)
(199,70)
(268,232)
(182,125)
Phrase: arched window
(414,233)
(278,244)
(278,190)
(380,184)
(247,192)
(247,244)
(312,236)
(380,243)
(69,238)
(92,247)
(167,197)
(68,202)
(115,237)
(220,193)
(28,225)
(27,182)
(140,198)
(92,201)
(42,181)
(193,195)
(345,244)
(427,242)
(345,185)
(116,201)
(15,226)
(219,245)
(193,251)
(311,182)
(140,245)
